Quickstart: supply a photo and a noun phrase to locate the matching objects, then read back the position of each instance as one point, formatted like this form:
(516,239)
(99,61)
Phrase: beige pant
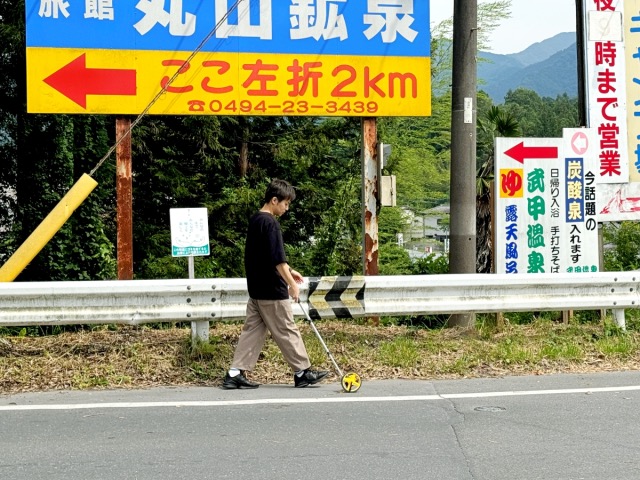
(276,317)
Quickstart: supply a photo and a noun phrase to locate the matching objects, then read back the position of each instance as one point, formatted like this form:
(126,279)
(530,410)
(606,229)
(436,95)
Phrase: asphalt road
(552,427)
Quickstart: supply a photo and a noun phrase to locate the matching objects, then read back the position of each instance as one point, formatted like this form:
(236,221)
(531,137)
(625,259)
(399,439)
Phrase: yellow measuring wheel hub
(351,382)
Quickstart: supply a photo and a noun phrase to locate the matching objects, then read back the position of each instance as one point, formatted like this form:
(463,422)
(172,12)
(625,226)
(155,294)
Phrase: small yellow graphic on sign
(511,183)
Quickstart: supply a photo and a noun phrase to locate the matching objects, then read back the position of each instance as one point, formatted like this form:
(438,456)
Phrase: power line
(165,87)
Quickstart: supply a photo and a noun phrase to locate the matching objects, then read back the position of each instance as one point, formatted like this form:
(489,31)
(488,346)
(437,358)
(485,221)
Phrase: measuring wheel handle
(351,382)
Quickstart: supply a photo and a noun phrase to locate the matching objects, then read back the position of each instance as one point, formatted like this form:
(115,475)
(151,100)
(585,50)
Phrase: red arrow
(75,81)
(520,152)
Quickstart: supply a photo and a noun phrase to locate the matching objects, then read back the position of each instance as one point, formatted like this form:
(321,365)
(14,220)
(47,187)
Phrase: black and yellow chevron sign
(336,297)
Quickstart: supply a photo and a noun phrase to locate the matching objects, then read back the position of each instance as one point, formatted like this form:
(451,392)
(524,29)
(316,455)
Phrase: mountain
(549,68)
(540,51)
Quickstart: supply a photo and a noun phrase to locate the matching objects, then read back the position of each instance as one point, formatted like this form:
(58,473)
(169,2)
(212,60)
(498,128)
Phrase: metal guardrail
(203,300)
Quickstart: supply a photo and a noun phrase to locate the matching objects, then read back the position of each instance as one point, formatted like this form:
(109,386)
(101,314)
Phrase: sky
(531,21)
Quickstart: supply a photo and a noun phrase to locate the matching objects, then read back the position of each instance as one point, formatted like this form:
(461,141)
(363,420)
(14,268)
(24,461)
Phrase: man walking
(270,282)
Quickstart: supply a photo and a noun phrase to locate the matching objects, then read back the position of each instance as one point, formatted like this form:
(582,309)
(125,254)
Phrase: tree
(420,157)
(394,260)
(42,156)
(326,224)
(559,113)
(496,122)
(542,117)
(527,107)
(11,55)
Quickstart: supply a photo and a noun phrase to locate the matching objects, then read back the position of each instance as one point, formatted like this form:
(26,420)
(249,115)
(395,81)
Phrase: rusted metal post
(370,198)
(370,195)
(124,196)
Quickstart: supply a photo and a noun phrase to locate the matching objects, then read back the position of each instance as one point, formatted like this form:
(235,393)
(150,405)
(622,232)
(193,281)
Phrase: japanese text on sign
(545,207)
(632,49)
(282,26)
(290,57)
(189,232)
(607,95)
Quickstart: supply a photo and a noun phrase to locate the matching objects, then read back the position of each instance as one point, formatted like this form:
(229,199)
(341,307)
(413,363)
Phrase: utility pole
(581,52)
(462,256)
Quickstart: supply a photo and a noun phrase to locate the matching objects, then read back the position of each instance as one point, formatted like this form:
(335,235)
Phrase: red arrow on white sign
(520,152)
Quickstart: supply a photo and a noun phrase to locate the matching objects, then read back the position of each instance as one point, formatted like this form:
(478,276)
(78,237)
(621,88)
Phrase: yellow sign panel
(127,81)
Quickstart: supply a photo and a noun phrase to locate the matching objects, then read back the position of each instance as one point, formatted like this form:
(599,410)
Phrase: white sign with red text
(606,88)
(613,91)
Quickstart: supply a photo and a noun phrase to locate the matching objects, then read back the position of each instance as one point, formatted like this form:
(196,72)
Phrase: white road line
(291,401)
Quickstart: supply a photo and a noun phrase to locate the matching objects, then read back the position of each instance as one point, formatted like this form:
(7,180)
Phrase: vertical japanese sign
(580,219)
(189,232)
(545,217)
(613,89)
(631,22)
(606,91)
(265,57)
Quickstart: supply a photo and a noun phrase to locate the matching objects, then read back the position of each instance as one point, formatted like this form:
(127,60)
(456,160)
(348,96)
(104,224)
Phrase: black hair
(281,189)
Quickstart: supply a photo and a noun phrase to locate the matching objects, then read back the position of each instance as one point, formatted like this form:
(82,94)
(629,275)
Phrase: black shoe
(239,381)
(309,377)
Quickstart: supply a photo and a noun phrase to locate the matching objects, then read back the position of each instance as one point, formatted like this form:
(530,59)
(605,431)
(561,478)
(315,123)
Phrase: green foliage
(49,163)
(393,260)
(42,157)
(391,222)
(335,247)
(420,157)
(493,122)
(624,237)
(432,264)
(490,16)
(541,116)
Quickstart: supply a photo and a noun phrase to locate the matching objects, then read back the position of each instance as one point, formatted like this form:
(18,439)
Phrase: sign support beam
(124,195)
(370,195)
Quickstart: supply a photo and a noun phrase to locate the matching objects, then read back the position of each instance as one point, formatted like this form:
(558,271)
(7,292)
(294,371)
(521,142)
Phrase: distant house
(432,223)
(428,232)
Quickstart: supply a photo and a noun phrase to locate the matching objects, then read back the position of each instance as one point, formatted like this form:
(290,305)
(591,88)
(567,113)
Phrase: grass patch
(399,352)
(139,357)
(621,347)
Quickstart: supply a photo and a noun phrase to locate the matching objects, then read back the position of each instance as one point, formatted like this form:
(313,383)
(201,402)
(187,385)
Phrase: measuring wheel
(351,382)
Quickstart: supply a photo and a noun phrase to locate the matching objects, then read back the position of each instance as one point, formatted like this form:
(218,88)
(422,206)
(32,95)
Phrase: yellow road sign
(126,81)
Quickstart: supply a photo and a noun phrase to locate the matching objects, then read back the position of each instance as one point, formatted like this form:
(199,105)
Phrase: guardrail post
(200,328)
(200,331)
(618,315)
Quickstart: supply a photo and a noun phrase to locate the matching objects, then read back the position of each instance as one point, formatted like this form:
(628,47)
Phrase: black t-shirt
(264,250)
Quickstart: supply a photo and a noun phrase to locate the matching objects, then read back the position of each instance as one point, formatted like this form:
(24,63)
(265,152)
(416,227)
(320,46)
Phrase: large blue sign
(326,27)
